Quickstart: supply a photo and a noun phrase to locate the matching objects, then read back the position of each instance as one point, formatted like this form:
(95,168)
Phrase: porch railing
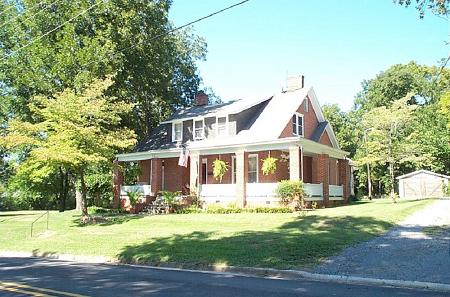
(262,194)
(218,193)
(145,190)
(313,192)
(336,192)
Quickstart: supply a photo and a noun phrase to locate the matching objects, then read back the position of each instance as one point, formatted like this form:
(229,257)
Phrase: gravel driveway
(406,252)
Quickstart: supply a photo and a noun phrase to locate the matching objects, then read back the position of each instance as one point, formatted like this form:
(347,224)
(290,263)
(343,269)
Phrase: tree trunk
(83,189)
(64,189)
(78,199)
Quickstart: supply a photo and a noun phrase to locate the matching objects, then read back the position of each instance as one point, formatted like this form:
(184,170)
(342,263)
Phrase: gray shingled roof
(319,131)
(197,111)
(158,139)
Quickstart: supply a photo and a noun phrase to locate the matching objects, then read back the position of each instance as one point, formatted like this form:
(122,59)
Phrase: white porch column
(294,163)
(240,179)
(193,174)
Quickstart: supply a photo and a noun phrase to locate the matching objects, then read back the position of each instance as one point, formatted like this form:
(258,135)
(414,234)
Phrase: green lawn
(259,240)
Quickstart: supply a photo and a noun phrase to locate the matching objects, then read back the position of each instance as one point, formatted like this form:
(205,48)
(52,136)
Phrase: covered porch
(324,172)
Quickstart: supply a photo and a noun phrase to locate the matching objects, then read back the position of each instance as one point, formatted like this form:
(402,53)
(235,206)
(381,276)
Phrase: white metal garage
(422,184)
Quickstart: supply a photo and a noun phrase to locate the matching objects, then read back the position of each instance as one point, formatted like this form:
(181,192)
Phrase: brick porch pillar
(241,195)
(294,163)
(117,182)
(344,177)
(194,172)
(320,174)
(156,176)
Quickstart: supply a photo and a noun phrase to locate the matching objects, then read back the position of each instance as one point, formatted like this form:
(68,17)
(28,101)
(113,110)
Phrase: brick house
(289,126)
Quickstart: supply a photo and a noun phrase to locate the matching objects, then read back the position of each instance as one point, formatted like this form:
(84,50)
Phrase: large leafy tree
(127,38)
(399,80)
(71,132)
(390,139)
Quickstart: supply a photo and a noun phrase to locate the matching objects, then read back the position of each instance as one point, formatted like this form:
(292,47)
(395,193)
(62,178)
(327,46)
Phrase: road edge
(242,271)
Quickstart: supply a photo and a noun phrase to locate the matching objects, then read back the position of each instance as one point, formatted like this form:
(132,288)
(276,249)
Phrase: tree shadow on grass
(302,242)
(106,220)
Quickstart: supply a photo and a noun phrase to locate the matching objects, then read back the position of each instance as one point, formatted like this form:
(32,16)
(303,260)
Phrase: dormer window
(177,131)
(199,129)
(221,126)
(297,124)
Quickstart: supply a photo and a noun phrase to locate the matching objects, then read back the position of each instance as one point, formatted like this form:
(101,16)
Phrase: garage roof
(423,171)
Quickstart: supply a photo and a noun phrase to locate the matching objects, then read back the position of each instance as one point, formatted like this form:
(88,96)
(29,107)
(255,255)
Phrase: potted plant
(220,167)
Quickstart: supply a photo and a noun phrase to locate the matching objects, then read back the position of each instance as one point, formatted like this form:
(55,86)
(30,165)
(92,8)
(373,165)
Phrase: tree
(438,7)
(444,105)
(390,139)
(71,132)
(116,37)
(399,80)
(346,126)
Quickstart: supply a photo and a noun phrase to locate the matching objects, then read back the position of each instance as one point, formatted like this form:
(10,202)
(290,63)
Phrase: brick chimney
(295,83)
(201,99)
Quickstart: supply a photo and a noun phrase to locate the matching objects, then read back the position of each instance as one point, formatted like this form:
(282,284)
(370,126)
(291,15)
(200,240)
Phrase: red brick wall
(307,169)
(320,173)
(144,166)
(174,175)
(325,139)
(210,176)
(309,119)
(333,172)
(156,175)
(344,177)
(282,171)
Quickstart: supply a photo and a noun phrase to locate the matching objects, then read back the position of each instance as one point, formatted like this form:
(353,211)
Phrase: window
(221,125)
(177,131)
(253,168)
(204,175)
(199,129)
(233,169)
(306,105)
(297,124)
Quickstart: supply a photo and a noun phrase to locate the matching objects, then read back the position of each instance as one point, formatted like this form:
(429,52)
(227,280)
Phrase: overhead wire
(50,31)
(30,17)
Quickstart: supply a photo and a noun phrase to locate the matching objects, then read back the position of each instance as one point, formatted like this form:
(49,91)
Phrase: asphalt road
(40,277)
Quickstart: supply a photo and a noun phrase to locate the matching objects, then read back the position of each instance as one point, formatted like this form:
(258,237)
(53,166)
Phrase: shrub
(133,196)
(291,193)
(219,209)
(102,210)
(269,210)
(189,209)
(170,198)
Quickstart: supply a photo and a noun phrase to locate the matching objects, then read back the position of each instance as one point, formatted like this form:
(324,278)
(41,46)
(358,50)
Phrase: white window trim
(296,125)
(173,131)
(257,166)
(193,128)
(205,161)
(233,170)
(217,125)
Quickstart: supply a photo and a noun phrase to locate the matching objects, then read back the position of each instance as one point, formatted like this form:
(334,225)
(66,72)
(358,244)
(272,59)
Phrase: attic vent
(295,82)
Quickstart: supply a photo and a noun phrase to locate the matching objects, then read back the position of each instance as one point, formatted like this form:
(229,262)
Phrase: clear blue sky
(336,44)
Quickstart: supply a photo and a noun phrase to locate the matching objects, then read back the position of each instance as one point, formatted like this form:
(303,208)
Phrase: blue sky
(336,44)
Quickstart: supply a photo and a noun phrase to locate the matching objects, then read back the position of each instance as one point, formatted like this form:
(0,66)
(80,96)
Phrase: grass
(258,240)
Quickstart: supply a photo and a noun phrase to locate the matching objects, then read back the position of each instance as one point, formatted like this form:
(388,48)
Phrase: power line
(180,27)
(6,9)
(30,17)
(51,31)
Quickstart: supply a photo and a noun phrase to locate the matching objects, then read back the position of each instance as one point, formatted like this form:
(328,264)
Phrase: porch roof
(308,146)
